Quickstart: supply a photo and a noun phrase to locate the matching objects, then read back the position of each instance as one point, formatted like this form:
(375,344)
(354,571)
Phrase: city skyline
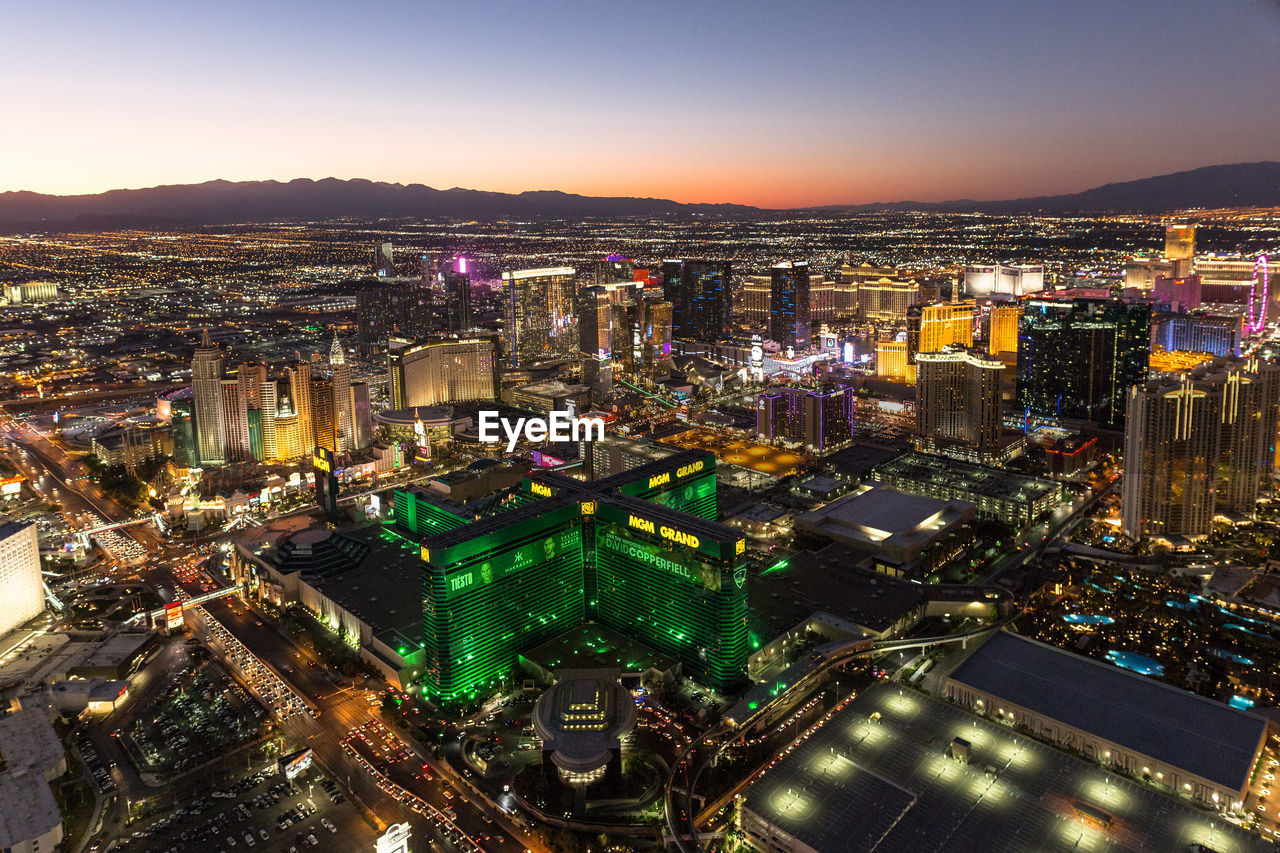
(659,427)
(825,105)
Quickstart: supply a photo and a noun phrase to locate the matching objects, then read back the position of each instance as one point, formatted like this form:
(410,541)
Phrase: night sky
(767,103)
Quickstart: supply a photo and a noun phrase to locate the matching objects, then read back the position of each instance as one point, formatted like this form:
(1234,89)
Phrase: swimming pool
(1226,655)
(1087,619)
(1136,662)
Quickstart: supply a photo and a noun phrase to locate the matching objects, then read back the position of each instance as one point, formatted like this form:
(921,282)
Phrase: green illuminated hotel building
(639,552)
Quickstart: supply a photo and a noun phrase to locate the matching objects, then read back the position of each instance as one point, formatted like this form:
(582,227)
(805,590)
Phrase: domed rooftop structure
(582,720)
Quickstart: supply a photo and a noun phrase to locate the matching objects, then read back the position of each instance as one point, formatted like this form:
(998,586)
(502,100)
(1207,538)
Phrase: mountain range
(223,202)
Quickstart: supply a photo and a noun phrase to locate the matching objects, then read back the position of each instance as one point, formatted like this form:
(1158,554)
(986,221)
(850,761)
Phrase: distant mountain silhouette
(1235,185)
(221,202)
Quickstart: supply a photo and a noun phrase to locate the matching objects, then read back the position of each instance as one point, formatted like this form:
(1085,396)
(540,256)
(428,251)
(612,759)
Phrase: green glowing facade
(485,599)
(687,599)
(419,513)
(574,551)
(690,487)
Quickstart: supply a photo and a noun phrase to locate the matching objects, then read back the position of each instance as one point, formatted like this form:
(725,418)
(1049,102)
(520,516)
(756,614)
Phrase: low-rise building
(1003,495)
(895,527)
(1192,745)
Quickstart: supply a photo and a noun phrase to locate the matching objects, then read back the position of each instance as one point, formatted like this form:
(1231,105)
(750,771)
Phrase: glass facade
(541,322)
(674,590)
(418,515)
(789,317)
(690,488)
(639,552)
(1077,359)
(699,295)
(185,452)
(487,599)
(256,447)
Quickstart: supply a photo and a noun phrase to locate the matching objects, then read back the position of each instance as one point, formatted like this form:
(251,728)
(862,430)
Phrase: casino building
(638,552)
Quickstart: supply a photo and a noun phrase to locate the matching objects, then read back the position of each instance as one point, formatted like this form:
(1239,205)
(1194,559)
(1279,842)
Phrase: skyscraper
(298,375)
(1198,331)
(1009,279)
(250,377)
(1002,328)
(186,453)
(322,419)
(21,587)
(699,295)
(268,399)
(1198,446)
(931,328)
(886,300)
(816,417)
(1180,242)
(789,315)
(361,416)
(958,409)
(1078,357)
(754,300)
(343,429)
(457,297)
(235,422)
(400,307)
(383,261)
(621,551)
(540,314)
(206,386)
(656,321)
(595,334)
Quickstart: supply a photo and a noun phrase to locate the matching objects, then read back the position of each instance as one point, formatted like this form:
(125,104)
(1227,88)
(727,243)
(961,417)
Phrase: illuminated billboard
(292,765)
(688,485)
(173,615)
(11,487)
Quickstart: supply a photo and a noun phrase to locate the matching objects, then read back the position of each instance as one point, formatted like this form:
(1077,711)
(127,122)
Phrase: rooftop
(828,582)
(29,810)
(977,479)
(1207,738)
(382,588)
(583,716)
(889,786)
(592,645)
(28,743)
(882,518)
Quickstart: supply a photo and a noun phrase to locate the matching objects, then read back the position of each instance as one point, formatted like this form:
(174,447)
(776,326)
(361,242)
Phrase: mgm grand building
(638,553)
(448,599)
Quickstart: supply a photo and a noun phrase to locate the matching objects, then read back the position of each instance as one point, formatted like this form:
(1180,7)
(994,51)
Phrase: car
(248,839)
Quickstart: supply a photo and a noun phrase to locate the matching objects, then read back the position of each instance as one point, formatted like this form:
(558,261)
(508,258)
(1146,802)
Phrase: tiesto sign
(557,426)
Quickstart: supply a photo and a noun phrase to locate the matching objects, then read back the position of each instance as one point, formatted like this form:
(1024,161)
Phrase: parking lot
(261,811)
(201,714)
(282,699)
(100,772)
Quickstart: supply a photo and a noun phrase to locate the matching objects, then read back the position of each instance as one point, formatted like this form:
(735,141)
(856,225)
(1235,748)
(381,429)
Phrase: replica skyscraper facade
(343,425)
